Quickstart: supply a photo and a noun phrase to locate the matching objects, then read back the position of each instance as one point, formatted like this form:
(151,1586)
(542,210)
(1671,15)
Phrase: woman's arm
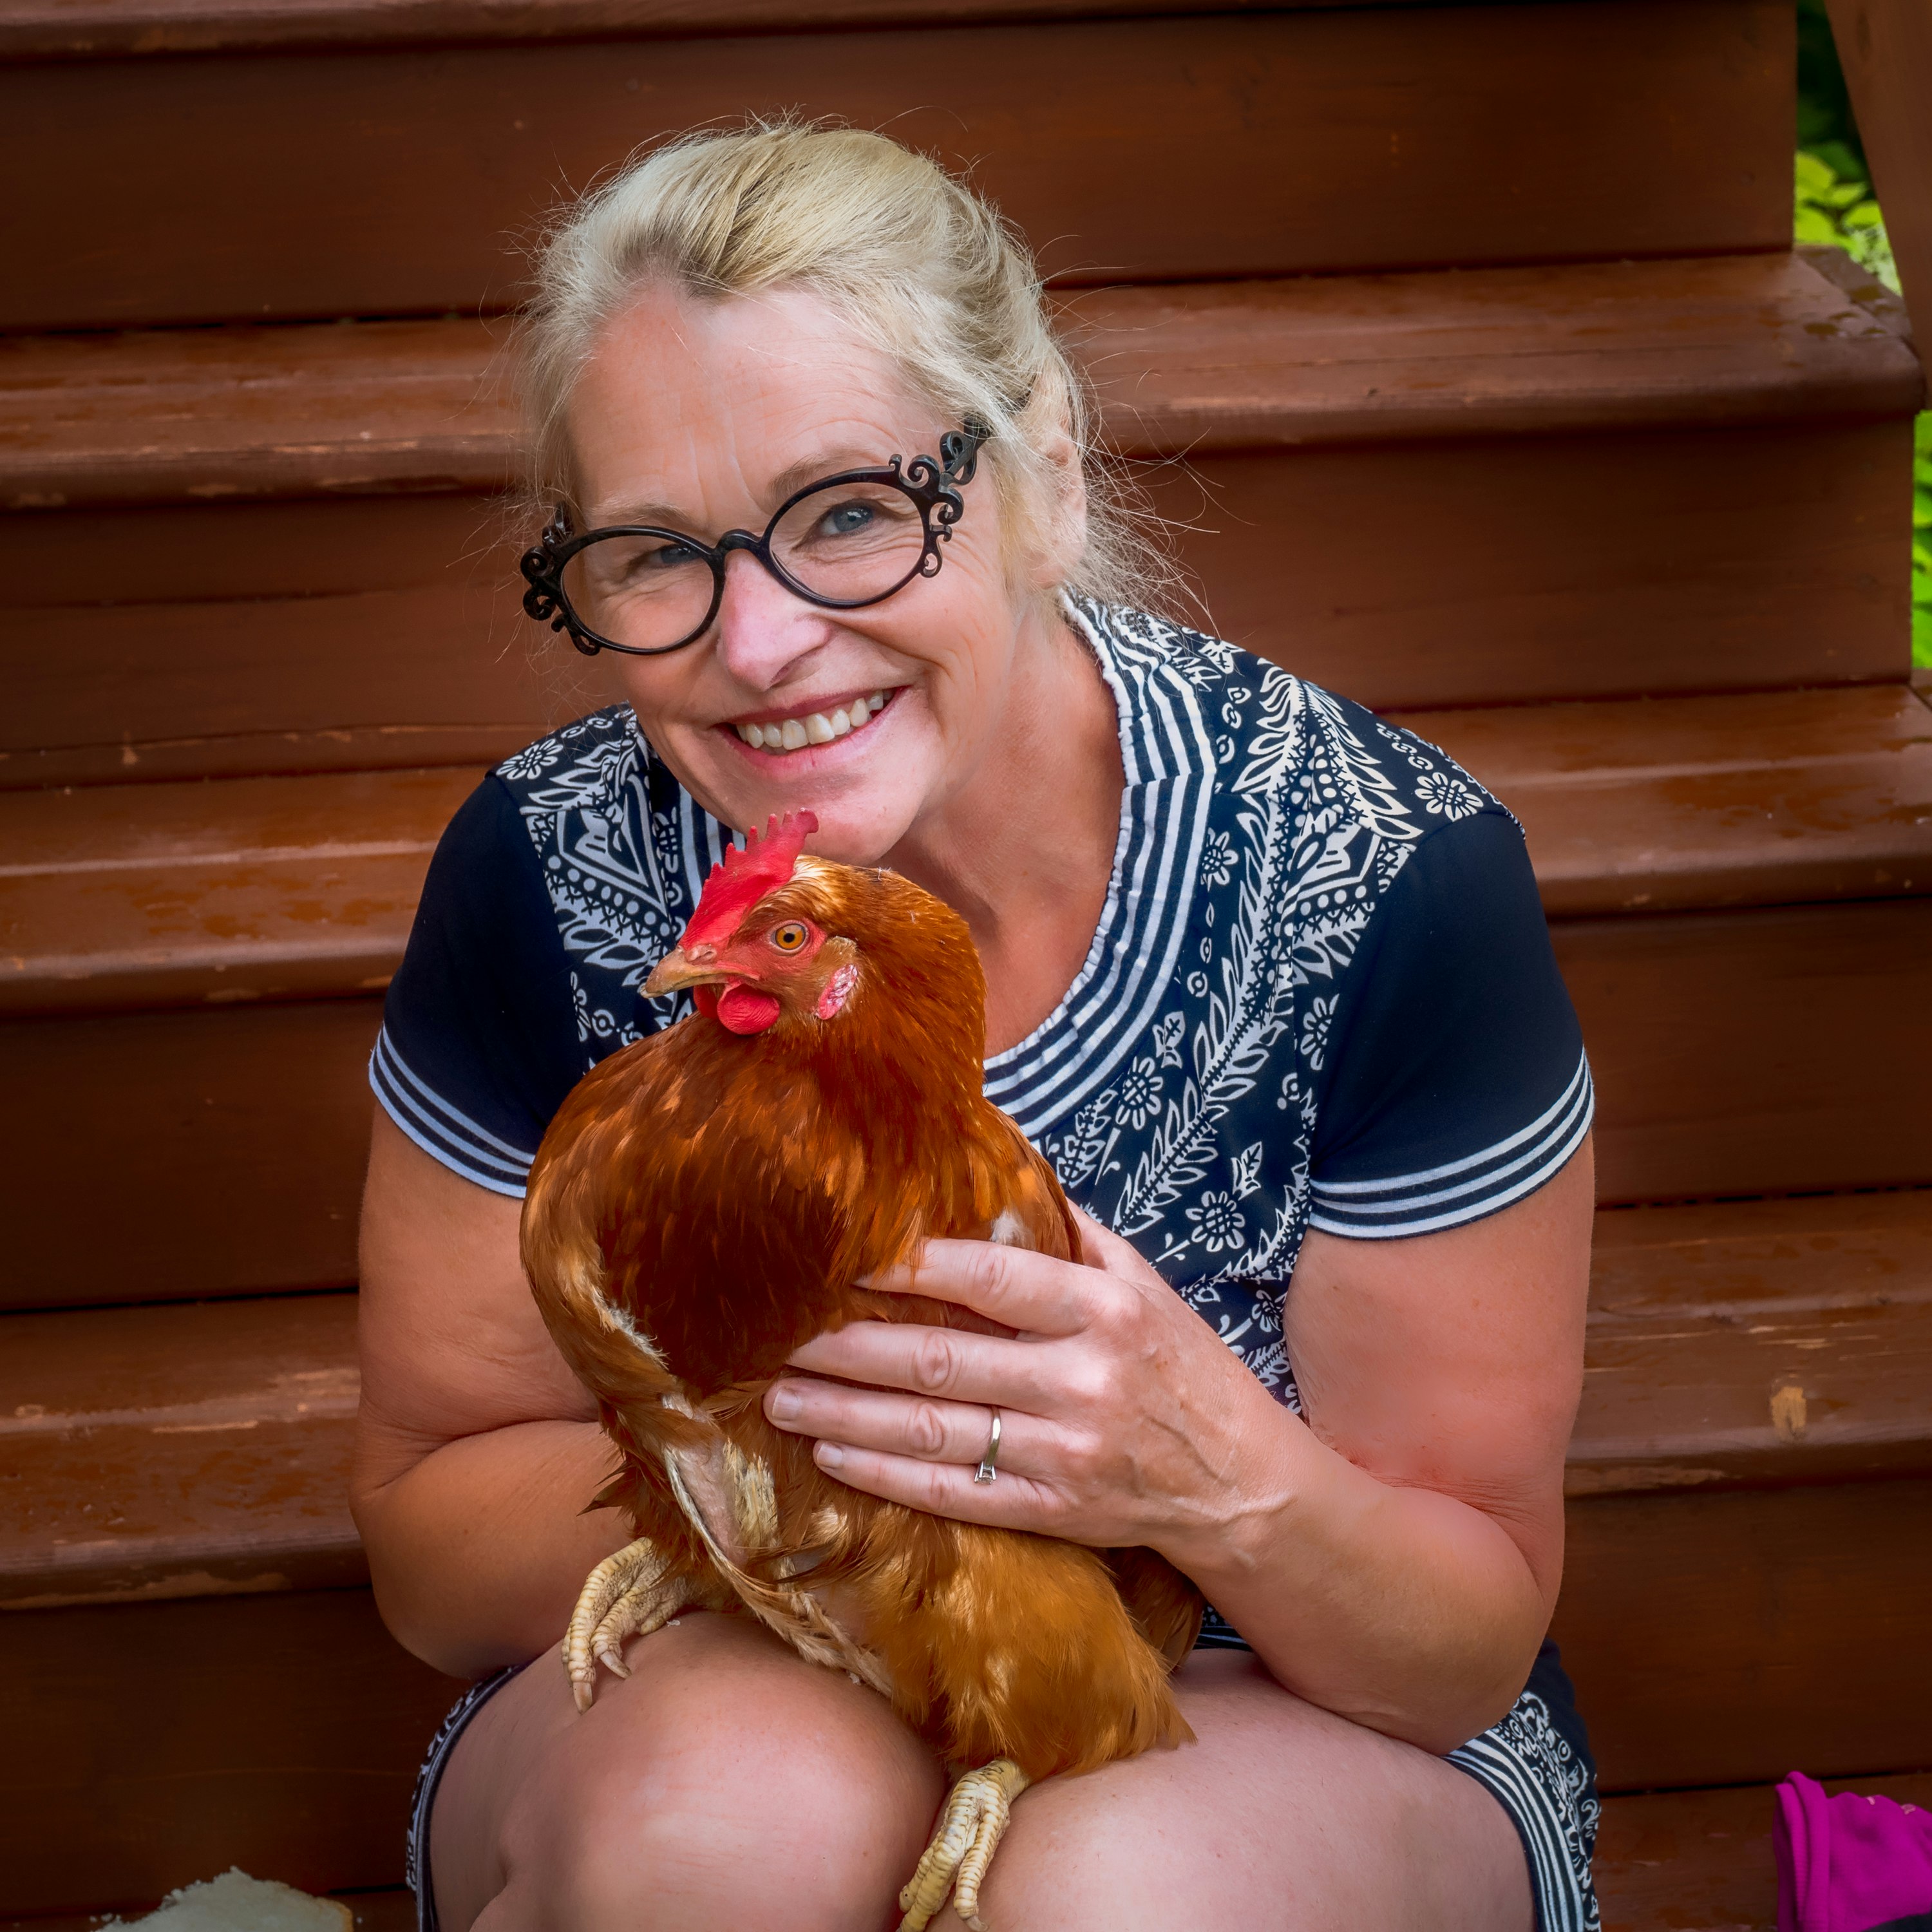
(1407,1570)
(476,1449)
(1395,1559)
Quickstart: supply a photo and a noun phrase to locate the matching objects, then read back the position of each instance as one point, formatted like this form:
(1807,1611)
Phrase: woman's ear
(1060,541)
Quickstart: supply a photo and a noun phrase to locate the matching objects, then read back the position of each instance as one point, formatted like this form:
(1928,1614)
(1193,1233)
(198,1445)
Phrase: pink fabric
(1849,1863)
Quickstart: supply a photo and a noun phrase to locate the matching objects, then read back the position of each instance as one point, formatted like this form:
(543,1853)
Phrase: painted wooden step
(142,896)
(280,551)
(1658,805)
(131,896)
(1772,1049)
(164,415)
(315,636)
(1576,566)
(178,642)
(242,1119)
(203,1449)
(396,183)
(1722,1627)
(1728,1637)
(1760,1343)
(237,1139)
(155,1743)
(199,1450)
(1306,362)
(1777,1049)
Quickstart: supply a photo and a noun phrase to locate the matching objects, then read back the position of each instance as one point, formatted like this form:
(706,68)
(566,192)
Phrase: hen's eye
(789,936)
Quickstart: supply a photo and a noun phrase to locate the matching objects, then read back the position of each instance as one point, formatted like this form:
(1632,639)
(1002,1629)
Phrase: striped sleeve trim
(445,1132)
(1462,1190)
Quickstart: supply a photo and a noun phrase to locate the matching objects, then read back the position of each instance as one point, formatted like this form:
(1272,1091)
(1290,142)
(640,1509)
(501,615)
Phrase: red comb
(759,866)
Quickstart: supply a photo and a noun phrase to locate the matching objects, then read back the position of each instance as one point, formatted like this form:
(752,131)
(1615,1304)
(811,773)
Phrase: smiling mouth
(813,727)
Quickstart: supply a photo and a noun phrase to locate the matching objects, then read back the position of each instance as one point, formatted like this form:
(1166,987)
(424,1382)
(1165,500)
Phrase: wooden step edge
(1754,1344)
(1675,805)
(237,890)
(224,892)
(1885,306)
(1587,347)
(303,749)
(309,410)
(198,1449)
(1743,1459)
(96,29)
(241,1563)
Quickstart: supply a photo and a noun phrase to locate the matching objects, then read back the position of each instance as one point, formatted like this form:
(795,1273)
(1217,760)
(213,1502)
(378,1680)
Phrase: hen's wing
(689,1203)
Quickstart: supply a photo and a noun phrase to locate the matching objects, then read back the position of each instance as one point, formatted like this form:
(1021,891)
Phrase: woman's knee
(728,1783)
(1278,1814)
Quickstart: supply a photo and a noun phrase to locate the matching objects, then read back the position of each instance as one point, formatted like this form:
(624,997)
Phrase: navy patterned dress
(1321,995)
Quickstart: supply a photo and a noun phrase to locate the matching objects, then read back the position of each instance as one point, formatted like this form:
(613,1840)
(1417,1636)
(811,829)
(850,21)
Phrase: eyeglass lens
(846,542)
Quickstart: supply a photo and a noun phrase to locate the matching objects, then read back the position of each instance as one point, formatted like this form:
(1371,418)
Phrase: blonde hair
(915,262)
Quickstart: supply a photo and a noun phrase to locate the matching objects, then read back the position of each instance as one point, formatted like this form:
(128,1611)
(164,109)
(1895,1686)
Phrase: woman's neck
(1025,849)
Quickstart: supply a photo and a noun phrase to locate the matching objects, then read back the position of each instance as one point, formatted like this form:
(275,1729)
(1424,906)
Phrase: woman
(1269,983)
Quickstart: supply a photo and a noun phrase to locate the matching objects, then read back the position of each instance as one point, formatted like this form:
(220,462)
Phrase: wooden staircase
(1467,341)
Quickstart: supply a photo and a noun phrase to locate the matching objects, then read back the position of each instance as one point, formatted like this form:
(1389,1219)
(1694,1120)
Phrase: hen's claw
(626,1595)
(963,1845)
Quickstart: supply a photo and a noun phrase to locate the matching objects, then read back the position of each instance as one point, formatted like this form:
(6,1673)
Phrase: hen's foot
(627,1595)
(975,1814)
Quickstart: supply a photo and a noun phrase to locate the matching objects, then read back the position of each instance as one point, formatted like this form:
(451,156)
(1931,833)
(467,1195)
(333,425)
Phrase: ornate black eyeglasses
(842,543)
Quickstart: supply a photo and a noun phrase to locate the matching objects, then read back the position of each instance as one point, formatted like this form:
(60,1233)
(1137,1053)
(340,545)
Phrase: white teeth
(818,729)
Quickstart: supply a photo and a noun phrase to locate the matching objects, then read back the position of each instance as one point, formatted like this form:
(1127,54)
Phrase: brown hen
(708,1200)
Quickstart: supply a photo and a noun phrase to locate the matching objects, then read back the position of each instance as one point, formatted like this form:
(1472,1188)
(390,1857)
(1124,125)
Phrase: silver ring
(986,1472)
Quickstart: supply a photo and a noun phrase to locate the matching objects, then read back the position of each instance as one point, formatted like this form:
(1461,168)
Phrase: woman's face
(705,416)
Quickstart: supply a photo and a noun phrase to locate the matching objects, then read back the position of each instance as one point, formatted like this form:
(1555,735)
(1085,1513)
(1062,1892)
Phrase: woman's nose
(763,630)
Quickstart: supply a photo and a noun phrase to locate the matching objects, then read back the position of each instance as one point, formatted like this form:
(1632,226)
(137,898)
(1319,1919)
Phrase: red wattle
(744,1009)
(705,999)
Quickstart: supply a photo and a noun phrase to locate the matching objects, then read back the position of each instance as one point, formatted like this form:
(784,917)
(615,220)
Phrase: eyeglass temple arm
(959,450)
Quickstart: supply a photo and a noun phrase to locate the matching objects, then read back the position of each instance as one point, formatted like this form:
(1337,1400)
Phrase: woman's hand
(1124,1420)
(1395,1558)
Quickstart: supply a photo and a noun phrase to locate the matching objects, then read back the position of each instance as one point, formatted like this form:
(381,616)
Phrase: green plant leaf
(1815,176)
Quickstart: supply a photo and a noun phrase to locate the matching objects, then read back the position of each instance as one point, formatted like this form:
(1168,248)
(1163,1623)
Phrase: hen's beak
(696,966)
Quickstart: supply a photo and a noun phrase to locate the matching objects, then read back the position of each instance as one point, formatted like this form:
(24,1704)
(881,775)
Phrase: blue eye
(669,556)
(847,520)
